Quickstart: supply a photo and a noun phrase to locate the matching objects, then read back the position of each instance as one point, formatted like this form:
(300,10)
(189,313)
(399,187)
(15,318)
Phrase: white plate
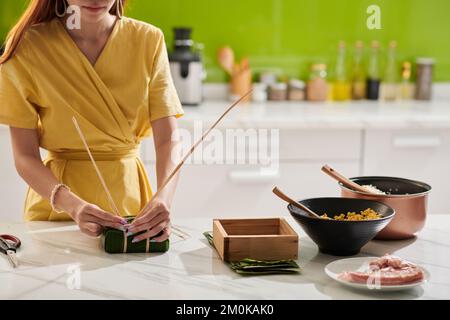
(335,268)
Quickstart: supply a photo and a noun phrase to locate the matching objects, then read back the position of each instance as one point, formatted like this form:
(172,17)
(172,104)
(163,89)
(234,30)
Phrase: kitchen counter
(340,115)
(359,115)
(54,253)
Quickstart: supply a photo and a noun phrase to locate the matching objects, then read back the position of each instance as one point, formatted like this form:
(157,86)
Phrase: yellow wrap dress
(49,80)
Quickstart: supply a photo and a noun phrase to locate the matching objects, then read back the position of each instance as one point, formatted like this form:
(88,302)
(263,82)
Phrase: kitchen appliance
(408,198)
(187,68)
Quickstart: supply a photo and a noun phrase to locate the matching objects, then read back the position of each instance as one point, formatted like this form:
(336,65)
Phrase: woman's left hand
(154,218)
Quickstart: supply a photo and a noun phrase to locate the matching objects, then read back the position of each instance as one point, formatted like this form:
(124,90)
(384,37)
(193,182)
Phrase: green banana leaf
(256,267)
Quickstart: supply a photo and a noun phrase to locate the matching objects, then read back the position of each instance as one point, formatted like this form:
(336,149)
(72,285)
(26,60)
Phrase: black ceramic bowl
(341,238)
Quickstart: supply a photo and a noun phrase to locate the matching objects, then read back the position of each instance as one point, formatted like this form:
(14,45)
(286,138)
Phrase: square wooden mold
(259,239)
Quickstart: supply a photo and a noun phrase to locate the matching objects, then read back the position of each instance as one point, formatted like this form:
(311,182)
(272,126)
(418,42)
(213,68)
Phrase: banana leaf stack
(256,267)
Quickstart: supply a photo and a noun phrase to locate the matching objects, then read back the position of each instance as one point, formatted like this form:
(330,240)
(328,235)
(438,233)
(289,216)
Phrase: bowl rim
(386,196)
(345,221)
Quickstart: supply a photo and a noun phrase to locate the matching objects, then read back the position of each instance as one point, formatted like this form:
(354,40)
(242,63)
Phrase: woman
(111,74)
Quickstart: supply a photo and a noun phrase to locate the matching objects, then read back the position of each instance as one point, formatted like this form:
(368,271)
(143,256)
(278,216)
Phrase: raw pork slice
(386,271)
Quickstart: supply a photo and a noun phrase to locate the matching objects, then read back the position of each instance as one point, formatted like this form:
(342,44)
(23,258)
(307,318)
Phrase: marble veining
(58,262)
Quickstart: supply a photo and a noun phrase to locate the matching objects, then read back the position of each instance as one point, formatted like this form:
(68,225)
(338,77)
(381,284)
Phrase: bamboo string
(99,174)
(105,187)
(189,153)
(180,233)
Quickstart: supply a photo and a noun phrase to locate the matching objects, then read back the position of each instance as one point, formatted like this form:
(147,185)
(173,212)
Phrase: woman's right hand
(91,219)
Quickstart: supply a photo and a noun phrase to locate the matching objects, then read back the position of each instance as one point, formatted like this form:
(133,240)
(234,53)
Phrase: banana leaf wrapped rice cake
(114,242)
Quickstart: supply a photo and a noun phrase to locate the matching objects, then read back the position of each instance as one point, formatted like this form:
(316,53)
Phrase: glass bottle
(373,73)
(406,87)
(341,88)
(390,84)
(317,88)
(359,75)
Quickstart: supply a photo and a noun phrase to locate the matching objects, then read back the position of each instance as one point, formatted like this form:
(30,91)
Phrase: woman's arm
(28,162)
(155,216)
(166,139)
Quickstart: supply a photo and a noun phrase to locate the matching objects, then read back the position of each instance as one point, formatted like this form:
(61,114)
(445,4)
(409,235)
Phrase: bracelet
(53,195)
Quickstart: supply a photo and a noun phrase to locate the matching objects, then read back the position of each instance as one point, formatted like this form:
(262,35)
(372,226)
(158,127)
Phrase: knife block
(113,242)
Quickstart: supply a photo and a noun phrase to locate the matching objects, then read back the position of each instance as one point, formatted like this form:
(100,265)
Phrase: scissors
(9,245)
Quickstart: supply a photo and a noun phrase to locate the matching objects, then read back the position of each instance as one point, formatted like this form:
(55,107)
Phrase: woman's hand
(154,219)
(91,219)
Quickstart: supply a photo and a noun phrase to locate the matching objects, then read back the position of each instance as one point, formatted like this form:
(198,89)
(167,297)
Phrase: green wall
(290,34)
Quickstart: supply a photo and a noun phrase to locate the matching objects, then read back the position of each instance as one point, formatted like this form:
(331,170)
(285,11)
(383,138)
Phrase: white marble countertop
(360,115)
(58,262)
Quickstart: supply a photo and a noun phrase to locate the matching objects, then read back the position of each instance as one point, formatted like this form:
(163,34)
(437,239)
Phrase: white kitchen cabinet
(239,191)
(12,187)
(421,154)
(244,190)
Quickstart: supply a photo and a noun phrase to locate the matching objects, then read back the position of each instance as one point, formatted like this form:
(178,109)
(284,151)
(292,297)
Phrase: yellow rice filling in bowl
(368,214)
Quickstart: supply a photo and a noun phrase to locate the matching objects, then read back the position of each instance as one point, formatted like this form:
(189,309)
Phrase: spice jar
(259,92)
(317,88)
(278,91)
(296,90)
(424,81)
(268,77)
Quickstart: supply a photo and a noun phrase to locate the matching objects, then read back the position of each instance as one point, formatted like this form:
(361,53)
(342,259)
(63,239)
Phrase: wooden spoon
(225,56)
(245,64)
(289,200)
(342,179)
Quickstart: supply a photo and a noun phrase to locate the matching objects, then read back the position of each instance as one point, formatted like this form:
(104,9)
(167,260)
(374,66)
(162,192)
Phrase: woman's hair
(38,11)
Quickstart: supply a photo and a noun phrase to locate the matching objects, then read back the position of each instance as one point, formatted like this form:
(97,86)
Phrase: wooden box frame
(259,239)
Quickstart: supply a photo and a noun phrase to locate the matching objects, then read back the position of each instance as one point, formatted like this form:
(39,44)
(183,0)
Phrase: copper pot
(408,198)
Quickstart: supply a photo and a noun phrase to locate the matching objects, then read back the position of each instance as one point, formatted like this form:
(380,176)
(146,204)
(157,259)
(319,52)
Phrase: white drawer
(415,154)
(238,191)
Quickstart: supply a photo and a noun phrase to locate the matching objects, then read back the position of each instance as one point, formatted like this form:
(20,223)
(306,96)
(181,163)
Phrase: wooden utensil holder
(241,83)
